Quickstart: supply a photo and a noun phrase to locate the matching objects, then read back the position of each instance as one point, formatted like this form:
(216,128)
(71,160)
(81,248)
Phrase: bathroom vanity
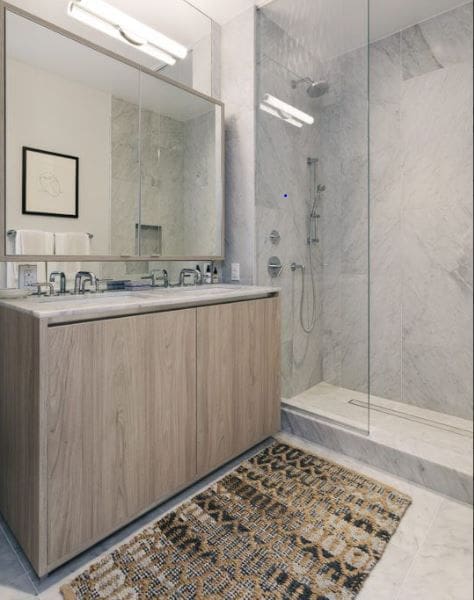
(111,404)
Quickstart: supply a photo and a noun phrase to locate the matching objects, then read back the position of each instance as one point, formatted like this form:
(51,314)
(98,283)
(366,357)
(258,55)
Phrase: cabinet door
(121,422)
(238,392)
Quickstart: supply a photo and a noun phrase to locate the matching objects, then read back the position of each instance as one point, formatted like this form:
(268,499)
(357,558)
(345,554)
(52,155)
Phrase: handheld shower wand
(315,193)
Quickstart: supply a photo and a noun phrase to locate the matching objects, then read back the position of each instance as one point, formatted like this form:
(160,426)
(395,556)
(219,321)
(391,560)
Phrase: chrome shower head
(316,89)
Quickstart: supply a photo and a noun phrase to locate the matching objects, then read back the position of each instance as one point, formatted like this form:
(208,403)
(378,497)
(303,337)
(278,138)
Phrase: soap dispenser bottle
(215,276)
(208,276)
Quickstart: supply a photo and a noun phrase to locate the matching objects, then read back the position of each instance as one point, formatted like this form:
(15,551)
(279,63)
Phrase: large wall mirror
(104,158)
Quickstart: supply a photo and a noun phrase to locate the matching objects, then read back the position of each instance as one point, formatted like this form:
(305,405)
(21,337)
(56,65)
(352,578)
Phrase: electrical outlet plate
(27,276)
(235,272)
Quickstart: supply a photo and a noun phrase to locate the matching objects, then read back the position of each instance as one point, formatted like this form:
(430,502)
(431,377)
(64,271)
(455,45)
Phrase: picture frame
(50,183)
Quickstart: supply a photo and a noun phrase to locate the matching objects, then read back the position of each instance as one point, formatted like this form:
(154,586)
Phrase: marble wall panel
(385,217)
(437,240)
(238,93)
(421,214)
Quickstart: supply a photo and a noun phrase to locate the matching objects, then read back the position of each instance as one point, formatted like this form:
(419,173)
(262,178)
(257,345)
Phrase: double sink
(133,296)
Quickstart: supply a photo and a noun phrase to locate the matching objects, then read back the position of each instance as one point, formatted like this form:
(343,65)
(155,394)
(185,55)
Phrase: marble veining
(421,214)
(438,42)
(416,54)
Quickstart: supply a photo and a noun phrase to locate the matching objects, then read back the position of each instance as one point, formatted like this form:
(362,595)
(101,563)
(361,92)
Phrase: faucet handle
(41,285)
(158,275)
(162,276)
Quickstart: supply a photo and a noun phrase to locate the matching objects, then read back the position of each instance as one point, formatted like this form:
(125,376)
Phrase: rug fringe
(68,592)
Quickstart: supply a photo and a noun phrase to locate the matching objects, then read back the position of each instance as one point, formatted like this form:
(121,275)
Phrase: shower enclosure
(364,169)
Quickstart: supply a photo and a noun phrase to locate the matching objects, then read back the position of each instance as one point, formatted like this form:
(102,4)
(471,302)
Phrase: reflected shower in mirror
(103,158)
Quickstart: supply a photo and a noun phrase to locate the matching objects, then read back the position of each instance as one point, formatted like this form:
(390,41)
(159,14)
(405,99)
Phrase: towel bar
(12,233)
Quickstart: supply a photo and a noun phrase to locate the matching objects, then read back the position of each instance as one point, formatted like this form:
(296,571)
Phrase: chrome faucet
(158,277)
(40,286)
(83,277)
(196,274)
(62,280)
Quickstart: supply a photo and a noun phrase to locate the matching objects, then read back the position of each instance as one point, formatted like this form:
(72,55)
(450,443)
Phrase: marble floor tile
(15,583)
(10,567)
(443,566)
(20,588)
(385,580)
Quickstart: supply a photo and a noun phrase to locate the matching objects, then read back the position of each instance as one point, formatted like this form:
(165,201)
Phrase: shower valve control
(275,236)
(275,266)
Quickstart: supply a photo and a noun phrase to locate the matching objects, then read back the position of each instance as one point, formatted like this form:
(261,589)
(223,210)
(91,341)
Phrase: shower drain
(414,418)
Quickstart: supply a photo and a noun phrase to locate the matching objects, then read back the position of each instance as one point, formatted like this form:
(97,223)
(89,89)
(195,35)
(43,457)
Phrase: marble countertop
(68,309)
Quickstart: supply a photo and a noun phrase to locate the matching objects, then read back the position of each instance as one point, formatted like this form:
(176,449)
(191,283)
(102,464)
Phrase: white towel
(70,243)
(30,242)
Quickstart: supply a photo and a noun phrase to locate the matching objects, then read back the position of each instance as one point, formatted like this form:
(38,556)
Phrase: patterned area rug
(284,525)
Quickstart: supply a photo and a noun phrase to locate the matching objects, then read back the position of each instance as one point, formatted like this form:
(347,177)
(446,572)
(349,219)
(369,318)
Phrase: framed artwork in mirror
(50,183)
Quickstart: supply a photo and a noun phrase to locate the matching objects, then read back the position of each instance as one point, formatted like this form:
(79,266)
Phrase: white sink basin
(125,297)
(107,297)
(195,289)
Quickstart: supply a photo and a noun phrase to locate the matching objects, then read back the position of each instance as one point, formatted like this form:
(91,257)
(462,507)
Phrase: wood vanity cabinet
(101,420)
(121,422)
(238,354)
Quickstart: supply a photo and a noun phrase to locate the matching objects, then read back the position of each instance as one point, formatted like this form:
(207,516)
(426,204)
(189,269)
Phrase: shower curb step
(440,478)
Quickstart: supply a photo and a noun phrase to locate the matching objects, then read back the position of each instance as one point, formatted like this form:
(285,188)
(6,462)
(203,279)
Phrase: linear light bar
(288,109)
(280,115)
(113,22)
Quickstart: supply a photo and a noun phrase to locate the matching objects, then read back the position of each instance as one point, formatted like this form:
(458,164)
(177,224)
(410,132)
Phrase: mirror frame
(4,257)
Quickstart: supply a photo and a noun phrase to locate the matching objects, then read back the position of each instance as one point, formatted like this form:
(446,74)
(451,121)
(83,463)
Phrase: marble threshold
(429,448)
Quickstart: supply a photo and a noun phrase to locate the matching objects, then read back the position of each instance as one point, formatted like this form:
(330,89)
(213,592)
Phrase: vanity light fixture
(113,22)
(282,110)
(280,115)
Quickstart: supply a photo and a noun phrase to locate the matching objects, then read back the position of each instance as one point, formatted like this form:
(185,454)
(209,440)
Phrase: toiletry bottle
(208,276)
(215,276)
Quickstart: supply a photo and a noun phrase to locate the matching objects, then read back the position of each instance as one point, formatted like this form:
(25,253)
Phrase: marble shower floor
(439,438)
(430,556)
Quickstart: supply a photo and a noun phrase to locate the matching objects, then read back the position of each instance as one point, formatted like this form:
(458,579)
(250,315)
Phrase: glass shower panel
(421,206)
(312,188)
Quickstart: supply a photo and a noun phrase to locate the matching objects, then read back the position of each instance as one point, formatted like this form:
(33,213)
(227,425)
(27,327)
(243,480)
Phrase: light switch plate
(27,276)
(235,272)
